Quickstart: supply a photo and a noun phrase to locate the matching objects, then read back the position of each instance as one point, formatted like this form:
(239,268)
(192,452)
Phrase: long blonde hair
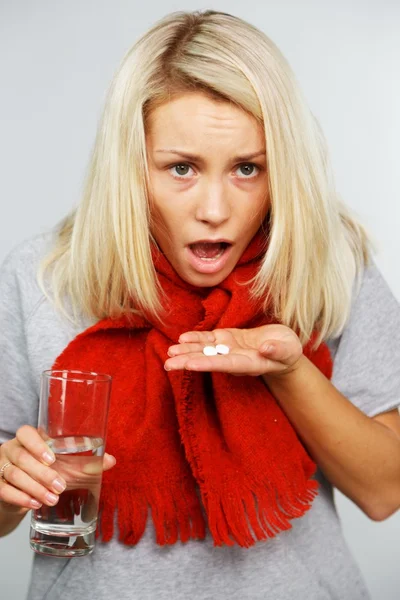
(102,258)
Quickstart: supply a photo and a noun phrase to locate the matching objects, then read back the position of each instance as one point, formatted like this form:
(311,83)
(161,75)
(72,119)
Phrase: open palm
(249,353)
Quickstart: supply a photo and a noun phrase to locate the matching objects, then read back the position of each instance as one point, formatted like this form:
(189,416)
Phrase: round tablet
(222,349)
(210,351)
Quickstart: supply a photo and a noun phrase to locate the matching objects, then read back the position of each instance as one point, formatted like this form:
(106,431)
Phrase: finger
(267,348)
(185,348)
(109,461)
(179,357)
(178,362)
(47,476)
(204,337)
(279,351)
(30,438)
(234,363)
(32,476)
(243,362)
(97,467)
(20,482)
(12,500)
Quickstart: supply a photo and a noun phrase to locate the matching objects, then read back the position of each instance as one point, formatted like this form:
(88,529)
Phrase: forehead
(194,118)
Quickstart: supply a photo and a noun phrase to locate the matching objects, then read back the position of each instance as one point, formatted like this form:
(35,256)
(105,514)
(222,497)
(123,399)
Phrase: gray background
(56,61)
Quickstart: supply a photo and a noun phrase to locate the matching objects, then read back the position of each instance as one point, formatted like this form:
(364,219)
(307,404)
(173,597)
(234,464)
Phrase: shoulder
(372,303)
(367,353)
(18,272)
(28,253)
(373,286)
(374,306)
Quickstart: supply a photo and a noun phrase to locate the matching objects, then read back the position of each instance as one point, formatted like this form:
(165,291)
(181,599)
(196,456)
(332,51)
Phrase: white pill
(210,351)
(222,349)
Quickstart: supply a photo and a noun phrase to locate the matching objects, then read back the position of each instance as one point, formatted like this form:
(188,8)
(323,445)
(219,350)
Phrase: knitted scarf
(194,447)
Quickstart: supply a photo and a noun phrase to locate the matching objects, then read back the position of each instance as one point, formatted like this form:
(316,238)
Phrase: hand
(30,481)
(274,349)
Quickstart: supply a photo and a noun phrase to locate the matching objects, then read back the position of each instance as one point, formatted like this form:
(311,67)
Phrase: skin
(217,196)
(359,455)
(30,480)
(213,197)
(222,198)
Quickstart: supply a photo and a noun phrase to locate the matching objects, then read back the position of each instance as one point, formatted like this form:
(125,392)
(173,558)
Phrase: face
(208,184)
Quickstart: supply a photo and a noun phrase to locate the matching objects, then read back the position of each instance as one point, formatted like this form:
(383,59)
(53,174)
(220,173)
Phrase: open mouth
(209,257)
(209,250)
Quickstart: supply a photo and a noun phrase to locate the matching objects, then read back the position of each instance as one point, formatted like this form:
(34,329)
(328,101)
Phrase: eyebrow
(196,157)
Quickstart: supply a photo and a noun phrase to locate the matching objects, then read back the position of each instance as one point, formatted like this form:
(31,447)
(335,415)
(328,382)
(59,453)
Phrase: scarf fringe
(241,516)
(172,431)
(246,516)
(174,514)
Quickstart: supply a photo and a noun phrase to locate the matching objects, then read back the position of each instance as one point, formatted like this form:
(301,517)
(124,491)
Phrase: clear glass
(73,413)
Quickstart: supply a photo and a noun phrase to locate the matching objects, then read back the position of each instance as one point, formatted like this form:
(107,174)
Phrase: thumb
(281,351)
(276,350)
(268,349)
(108,461)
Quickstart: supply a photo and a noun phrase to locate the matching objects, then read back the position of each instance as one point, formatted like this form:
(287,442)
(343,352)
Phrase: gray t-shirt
(311,561)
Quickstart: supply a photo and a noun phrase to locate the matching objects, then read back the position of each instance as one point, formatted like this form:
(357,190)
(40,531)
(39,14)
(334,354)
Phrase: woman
(209,217)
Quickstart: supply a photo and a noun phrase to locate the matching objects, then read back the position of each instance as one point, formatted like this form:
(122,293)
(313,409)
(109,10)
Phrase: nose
(213,206)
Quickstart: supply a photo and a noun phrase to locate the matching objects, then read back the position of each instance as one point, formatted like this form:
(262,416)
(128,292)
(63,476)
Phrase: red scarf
(175,433)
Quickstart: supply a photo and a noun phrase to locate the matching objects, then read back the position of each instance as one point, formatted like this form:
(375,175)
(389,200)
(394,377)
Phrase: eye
(180,170)
(249,170)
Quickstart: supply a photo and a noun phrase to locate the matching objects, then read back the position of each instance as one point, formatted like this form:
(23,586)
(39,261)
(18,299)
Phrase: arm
(18,398)
(358,454)
(26,482)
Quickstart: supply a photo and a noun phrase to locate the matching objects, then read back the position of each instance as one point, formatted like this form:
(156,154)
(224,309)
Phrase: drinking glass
(73,414)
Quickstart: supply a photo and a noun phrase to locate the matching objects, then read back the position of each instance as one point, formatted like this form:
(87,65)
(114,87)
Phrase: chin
(202,280)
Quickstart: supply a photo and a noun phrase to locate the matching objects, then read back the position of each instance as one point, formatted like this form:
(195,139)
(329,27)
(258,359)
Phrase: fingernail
(49,458)
(59,485)
(51,498)
(36,504)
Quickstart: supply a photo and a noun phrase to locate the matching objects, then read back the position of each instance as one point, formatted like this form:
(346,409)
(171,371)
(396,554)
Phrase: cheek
(254,211)
(168,213)
(263,208)
(158,204)
(263,203)
(166,220)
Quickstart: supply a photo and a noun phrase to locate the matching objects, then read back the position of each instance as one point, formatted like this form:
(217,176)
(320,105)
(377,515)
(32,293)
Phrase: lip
(209,266)
(209,241)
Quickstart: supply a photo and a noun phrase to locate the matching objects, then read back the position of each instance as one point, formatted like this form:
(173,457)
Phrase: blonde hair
(102,258)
